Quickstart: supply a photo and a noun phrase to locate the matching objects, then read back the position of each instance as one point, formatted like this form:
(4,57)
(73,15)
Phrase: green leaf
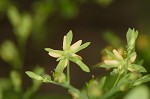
(14,15)
(82,65)
(35,83)
(8,51)
(61,65)
(83,46)
(112,55)
(69,37)
(25,26)
(141,80)
(37,70)
(34,76)
(136,68)
(46,77)
(140,92)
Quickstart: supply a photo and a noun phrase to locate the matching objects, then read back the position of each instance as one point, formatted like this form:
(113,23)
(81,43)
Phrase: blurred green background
(28,26)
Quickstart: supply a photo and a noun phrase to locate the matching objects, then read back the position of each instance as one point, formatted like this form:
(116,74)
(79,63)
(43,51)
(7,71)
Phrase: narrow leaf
(144,79)
(34,76)
(46,78)
(14,15)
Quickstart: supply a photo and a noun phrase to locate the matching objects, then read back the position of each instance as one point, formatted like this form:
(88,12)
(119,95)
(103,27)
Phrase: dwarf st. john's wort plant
(126,72)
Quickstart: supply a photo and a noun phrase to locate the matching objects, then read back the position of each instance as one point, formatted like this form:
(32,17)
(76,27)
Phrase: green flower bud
(134,75)
(59,77)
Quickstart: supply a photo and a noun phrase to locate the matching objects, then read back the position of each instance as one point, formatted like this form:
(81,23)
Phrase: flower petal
(61,65)
(117,54)
(133,57)
(106,66)
(82,47)
(76,45)
(66,62)
(136,68)
(56,55)
(111,62)
(64,43)
(112,55)
(76,56)
(82,65)
(69,37)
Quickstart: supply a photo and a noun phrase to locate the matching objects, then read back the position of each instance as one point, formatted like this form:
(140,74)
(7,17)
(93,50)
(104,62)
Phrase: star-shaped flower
(119,62)
(68,53)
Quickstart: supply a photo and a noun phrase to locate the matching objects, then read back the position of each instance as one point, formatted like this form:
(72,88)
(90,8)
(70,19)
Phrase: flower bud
(59,77)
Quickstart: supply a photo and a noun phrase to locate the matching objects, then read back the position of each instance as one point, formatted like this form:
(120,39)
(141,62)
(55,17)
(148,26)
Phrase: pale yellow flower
(68,53)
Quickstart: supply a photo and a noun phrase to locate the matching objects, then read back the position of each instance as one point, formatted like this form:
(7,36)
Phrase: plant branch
(117,80)
(68,73)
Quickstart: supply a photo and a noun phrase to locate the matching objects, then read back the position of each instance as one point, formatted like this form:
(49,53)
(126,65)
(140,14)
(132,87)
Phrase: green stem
(127,63)
(69,87)
(22,45)
(68,73)
(109,93)
(117,80)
